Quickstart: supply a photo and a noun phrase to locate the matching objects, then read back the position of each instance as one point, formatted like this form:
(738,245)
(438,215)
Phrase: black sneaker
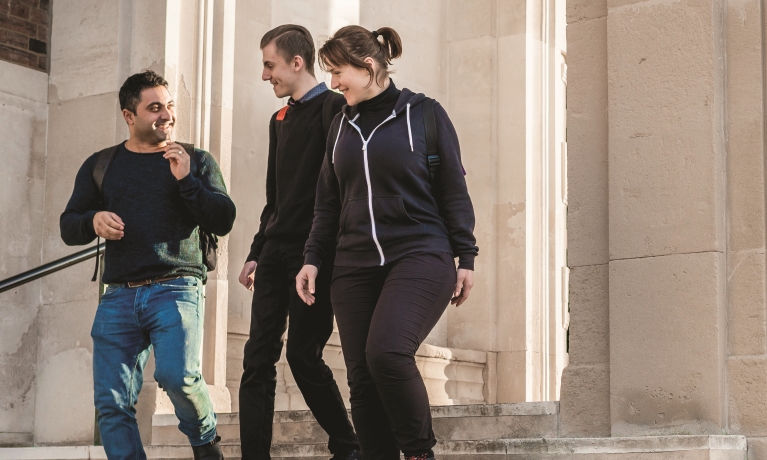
(209,451)
(353,454)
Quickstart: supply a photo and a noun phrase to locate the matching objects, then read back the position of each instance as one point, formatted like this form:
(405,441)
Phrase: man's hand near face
(179,160)
(108,225)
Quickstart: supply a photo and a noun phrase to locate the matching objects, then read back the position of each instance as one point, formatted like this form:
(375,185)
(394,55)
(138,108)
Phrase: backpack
(208,241)
(327,112)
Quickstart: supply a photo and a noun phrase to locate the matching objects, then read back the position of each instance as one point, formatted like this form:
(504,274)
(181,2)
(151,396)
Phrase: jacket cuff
(188,184)
(88,222)
(466,261)
(311,258)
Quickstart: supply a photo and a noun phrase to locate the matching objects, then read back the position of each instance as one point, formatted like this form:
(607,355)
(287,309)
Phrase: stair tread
(531,446)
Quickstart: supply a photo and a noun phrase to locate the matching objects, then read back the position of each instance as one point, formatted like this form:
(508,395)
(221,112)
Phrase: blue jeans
(167,316)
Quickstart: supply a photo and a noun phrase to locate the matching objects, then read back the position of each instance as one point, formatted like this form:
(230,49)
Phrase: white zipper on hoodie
(367,176)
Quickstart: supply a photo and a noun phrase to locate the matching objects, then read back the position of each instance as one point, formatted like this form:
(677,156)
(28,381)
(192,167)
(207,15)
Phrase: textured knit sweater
(161,214)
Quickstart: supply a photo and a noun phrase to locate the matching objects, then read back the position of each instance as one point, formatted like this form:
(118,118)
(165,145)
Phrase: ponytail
(350,45)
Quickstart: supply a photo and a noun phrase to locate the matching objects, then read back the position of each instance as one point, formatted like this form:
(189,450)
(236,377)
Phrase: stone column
(585,397)
(668,262)
(512,144)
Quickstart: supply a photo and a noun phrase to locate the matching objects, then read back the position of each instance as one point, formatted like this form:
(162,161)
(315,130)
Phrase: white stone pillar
(668,240)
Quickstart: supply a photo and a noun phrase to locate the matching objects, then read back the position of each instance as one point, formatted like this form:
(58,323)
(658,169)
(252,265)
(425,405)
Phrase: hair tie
(375,34)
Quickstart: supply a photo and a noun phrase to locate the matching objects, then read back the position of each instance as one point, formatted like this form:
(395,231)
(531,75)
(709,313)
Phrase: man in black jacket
(150,206)
(297,135)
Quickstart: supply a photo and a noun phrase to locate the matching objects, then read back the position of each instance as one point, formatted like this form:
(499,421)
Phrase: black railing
(50,267)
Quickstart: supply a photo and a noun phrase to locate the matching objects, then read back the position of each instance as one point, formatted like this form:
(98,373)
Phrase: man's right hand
(247,274)
(108,225)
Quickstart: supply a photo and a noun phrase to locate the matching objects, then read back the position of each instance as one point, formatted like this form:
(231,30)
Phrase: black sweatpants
(383,315)
(274,298)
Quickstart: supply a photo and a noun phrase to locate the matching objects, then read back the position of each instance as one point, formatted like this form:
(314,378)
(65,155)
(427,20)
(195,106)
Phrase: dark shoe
(353,454)
(209,451)
(424,456)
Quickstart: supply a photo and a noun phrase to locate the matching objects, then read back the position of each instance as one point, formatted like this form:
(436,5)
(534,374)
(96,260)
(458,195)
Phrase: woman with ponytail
(397,217)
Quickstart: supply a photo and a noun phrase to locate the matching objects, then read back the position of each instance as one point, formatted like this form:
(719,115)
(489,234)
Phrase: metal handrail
(50,267)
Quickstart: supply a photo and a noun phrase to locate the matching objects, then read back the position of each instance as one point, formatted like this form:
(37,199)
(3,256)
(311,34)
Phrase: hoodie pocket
(393,223)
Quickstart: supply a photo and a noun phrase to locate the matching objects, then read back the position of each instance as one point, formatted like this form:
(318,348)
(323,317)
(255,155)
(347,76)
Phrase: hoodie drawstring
(409,131)
(340,127)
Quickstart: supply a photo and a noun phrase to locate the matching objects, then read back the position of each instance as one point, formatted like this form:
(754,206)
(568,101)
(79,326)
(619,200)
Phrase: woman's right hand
(305,283)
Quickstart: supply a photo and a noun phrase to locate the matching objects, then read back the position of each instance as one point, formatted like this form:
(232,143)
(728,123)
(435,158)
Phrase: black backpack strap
(430,128)
(103,161)
(432,149)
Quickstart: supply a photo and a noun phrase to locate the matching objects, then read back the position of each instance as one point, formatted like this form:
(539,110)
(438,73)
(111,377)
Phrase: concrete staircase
(478,432)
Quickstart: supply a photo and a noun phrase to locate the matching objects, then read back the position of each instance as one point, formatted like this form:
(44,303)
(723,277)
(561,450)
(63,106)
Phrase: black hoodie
(374,197)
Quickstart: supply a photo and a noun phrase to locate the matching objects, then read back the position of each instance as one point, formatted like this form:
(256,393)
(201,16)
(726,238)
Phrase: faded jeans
(167,316)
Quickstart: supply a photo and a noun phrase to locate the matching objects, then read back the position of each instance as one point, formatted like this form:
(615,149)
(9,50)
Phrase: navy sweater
(374,196)
(161,214)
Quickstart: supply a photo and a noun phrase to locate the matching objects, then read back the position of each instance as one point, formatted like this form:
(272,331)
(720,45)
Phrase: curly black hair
(130,93)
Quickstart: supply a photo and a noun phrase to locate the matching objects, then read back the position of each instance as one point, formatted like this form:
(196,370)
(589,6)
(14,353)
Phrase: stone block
(757,448)
(747,394)
(581,10)
(84,50)
(23,82)
(747,317)
(65,392)
(511,376)
(587,173)
(666,145)
(667,344)
(584,406)
(589,315)
(745,128)
(469,19)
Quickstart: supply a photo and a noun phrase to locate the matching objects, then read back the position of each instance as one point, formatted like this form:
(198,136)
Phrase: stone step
(451,423)
(640,448)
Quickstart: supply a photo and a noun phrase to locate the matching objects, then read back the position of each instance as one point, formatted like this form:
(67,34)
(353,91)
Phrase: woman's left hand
(462,286)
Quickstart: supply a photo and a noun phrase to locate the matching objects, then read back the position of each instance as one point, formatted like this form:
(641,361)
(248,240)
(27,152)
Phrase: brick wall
(24,32)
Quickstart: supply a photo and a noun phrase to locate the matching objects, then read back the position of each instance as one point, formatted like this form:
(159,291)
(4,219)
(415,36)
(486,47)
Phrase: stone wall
(666,116)
(23,129)
(24,32)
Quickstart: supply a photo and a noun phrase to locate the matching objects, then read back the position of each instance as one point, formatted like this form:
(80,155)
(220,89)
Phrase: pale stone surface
(747,394)
(585,401)
(747,316)
(23,120)
(666,145)
(587,174)
(665,363)
(757,448)
(580,10)
(81,65)
(589,315)
(470,19)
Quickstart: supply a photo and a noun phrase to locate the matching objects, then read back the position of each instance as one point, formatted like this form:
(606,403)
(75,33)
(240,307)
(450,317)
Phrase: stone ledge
(531,448)
(473,410)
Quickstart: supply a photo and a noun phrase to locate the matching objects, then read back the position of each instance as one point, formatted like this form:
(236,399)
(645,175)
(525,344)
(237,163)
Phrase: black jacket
(296,151)
(374,196)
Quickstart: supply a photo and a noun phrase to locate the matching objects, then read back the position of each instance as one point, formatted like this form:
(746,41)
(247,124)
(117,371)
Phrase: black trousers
(383,315)
(274,298)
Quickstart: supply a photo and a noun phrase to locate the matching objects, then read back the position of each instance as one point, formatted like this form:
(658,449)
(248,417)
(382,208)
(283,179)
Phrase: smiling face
(284,76)
(354,82)
(155,116)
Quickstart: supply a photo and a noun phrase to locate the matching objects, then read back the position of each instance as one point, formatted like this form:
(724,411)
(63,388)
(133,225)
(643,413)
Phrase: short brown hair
(130,93)
(352,44)
(292,40)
